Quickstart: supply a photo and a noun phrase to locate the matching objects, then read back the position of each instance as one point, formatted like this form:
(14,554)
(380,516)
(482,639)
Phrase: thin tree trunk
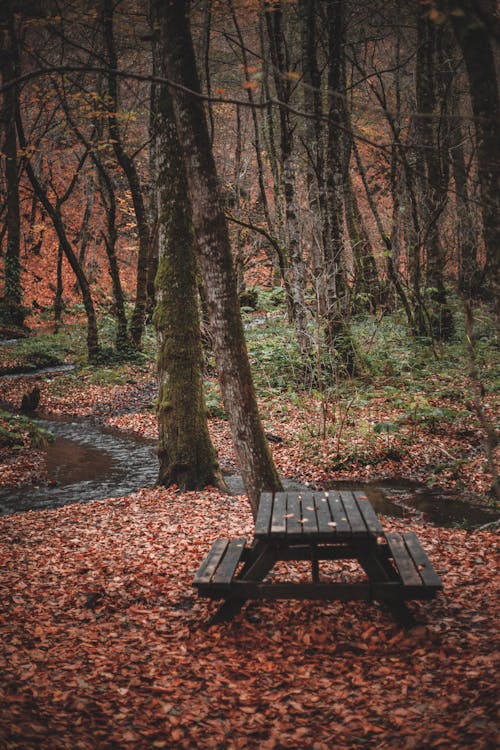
(130,171)
(11,304)
(55,216)
(239,260)
(274,20)
(469,273)
(338,333)
(152,202)
(58,298)
(435,179)
(366,279)
(85,233)
(110,238)
(215,256)
(314,132)
(385,239)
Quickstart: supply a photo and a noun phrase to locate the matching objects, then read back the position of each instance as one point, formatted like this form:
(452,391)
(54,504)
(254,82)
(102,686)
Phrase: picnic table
(316,527)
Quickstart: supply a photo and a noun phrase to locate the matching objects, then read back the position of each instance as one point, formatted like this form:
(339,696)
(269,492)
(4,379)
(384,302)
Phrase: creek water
(89,462)
(85,462)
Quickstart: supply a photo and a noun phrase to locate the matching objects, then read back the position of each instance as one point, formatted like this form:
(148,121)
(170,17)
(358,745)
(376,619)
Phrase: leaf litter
(105,643)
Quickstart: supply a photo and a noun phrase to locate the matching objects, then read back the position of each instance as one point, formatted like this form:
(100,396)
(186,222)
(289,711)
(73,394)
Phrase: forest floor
(104,643)
(420,425)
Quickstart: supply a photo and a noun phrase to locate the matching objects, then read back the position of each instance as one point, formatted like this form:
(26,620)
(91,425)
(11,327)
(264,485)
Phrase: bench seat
(414,569)
(220,565)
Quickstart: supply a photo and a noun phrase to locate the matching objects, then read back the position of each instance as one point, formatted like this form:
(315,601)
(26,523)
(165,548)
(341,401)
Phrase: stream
(87,461)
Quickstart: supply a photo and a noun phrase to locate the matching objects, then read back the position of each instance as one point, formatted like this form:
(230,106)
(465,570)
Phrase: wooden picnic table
(315,527)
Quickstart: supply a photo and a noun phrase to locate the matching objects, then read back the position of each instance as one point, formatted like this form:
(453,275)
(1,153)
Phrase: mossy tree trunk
(187,456)
(212,236)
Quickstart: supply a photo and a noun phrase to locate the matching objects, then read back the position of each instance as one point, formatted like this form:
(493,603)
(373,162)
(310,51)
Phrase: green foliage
(32,354)
(213,400)
(275,358)
(17,431)
(385,428)
(249,299)
(108,375)
(271,300)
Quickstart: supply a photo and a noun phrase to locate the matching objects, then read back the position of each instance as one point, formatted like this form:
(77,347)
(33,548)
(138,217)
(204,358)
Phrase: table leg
(260,560)
(314,564)
(379,570)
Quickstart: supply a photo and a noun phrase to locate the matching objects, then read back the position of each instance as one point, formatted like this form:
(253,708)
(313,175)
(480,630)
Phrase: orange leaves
(141,669)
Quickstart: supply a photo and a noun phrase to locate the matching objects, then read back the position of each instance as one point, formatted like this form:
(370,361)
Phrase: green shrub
(17,430)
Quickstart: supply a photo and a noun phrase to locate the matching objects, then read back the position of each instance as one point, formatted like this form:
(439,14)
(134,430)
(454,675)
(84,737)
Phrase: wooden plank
(278,520)
(310,525)
(325,521)
(210,563)
(242,589)
(293,514)
(264,513)
(422,562)
(354,516)
(404,563)
(338,512)
(232,557)
(369,515)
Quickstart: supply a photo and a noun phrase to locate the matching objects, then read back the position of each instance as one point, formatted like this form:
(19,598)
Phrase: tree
(282,82)
(130,171)
(216,262)
(433,131)
(187,456)
(471,22)
(338,333)
(11,305)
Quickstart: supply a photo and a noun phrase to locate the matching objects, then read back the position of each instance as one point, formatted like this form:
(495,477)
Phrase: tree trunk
(367,285)
(338,335)
(130,171)
(55,216)
(314,134)
(431,119)
(469,273)
(58,298)
(215,255)
(274,18)
(152,193)
(473,37)
(11,304)
(187,456)
(109,200)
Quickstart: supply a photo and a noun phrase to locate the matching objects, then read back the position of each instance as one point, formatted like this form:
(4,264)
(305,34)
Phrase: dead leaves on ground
(104,642)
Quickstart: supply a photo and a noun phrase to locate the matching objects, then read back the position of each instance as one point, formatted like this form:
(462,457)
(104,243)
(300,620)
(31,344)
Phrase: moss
(187,457)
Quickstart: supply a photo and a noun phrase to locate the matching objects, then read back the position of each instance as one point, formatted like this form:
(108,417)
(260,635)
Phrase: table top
(309,517)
